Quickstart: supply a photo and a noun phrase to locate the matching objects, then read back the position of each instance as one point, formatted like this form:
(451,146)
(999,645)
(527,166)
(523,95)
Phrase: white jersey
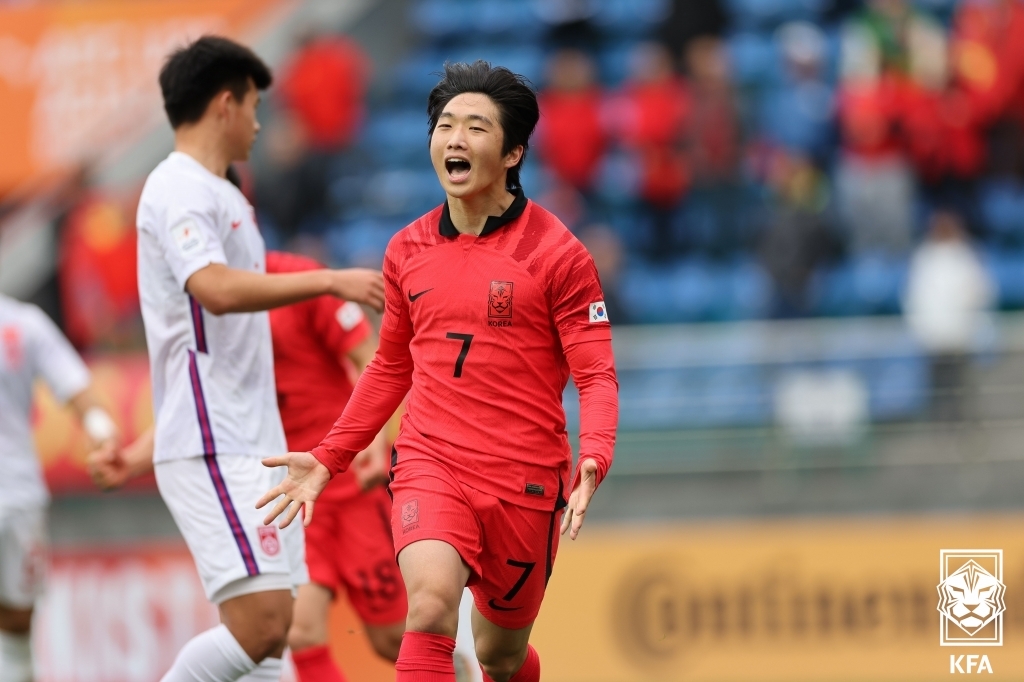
(213,377)
(31,347)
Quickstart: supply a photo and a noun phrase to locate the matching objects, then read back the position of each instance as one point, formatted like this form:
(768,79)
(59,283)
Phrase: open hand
(572,521)
(361,285)
(306,479)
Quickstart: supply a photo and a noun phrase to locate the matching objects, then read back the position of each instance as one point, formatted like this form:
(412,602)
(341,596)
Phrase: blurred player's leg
(212,656)
(435,576)
(505,655)
(467,669)
(15,645)
(308,636)
(22,569)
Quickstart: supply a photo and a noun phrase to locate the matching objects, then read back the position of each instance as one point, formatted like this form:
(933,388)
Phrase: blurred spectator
(650,116)
(947,297)
(940,129)
(890,25)
(713,136)
(873,181)
(96,274)
(324,84)
(798,112)
(798,238)
(571,137)
(606,249)
(988,64)
(290,180)
(690,19)
(570,22)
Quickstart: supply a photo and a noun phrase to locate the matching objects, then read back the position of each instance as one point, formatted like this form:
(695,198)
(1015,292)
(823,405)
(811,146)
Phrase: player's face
(465,147)
(241,124)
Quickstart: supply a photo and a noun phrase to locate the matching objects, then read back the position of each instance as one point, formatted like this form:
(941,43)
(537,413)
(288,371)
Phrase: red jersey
(480,328)
(311,340)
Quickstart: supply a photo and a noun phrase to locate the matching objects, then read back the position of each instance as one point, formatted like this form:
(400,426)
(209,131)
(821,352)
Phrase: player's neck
(205,146)
(469,214)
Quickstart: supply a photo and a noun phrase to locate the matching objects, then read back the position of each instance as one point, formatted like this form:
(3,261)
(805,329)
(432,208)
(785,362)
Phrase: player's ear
(513,157)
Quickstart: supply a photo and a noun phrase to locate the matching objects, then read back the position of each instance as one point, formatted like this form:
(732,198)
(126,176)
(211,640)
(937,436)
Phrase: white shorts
(213,501)
(23,556)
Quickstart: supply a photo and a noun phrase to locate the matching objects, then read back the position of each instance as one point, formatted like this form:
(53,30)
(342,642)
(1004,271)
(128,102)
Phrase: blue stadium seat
(361,242)
(441,18)
(898,388)
(646,291)
(748,292)
(751,14)
(1007,269)
(515,18)
(1002,210)
(396,136)
(631,17)
(755,58)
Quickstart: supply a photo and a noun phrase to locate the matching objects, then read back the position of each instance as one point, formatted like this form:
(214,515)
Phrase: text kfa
(970,663)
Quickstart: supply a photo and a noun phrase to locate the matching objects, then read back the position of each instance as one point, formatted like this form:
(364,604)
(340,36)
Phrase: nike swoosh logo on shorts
(413,297)
(502,608)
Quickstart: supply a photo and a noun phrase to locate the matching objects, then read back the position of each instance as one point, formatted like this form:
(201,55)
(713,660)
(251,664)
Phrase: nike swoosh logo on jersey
(413,297)
(502,608)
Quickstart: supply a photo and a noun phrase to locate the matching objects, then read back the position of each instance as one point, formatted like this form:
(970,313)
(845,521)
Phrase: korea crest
(499,300)
(971,597)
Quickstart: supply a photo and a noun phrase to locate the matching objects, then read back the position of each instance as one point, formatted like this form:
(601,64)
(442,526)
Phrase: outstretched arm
(593,369)
(221,289)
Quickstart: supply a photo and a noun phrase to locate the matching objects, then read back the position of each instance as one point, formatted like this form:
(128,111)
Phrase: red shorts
(349,545)
(509,549)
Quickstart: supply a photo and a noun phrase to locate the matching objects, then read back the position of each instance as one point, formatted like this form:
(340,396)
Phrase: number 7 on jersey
(466,339)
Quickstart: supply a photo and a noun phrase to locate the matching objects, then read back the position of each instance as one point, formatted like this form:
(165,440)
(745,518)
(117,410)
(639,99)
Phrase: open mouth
(457,167)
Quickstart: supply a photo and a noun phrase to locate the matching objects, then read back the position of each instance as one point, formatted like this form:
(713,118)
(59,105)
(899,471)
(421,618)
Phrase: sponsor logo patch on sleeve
(189,239)
(598,312)
(349,315)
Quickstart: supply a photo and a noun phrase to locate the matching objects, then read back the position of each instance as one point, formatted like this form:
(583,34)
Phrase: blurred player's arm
(67,376)
(110,466)
(221,289)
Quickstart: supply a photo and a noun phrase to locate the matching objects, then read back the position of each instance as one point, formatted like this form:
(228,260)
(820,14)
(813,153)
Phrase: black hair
(516,101)
(193,75)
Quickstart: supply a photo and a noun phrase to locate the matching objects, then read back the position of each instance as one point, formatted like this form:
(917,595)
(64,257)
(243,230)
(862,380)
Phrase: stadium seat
(1002,210)
(754,58)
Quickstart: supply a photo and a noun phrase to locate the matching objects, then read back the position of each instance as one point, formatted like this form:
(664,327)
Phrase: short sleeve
(396,325)
(55,360)
(189,237)
(577,301)
(340,325)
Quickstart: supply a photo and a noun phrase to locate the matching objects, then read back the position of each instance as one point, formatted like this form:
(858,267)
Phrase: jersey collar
(447,227)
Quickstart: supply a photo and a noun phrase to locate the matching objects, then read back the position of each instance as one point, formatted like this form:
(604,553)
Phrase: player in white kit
(204,290)
(31,348)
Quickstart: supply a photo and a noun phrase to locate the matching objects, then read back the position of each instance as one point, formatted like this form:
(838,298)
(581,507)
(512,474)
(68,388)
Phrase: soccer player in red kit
(319,347)
(491,304)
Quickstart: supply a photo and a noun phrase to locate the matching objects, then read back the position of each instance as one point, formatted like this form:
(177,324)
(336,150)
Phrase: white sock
(269,670)
(213,656)
(15,657)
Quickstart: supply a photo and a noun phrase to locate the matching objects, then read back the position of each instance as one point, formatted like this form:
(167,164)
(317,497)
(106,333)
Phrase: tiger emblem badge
(971,597)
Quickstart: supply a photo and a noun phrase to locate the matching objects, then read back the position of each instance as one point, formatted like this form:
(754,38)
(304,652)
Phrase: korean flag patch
(598,312)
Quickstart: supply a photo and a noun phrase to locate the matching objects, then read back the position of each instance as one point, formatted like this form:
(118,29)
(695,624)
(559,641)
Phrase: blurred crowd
(722,159)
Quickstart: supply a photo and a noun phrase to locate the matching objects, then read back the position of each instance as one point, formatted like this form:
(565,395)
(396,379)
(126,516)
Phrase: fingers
(276,461)
(577,522)
(308,518)
(270,496)
(567,516)
(293,510)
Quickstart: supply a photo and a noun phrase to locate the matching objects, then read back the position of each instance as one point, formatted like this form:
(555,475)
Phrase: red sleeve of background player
(380,389)
(340,325)
(581,318)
